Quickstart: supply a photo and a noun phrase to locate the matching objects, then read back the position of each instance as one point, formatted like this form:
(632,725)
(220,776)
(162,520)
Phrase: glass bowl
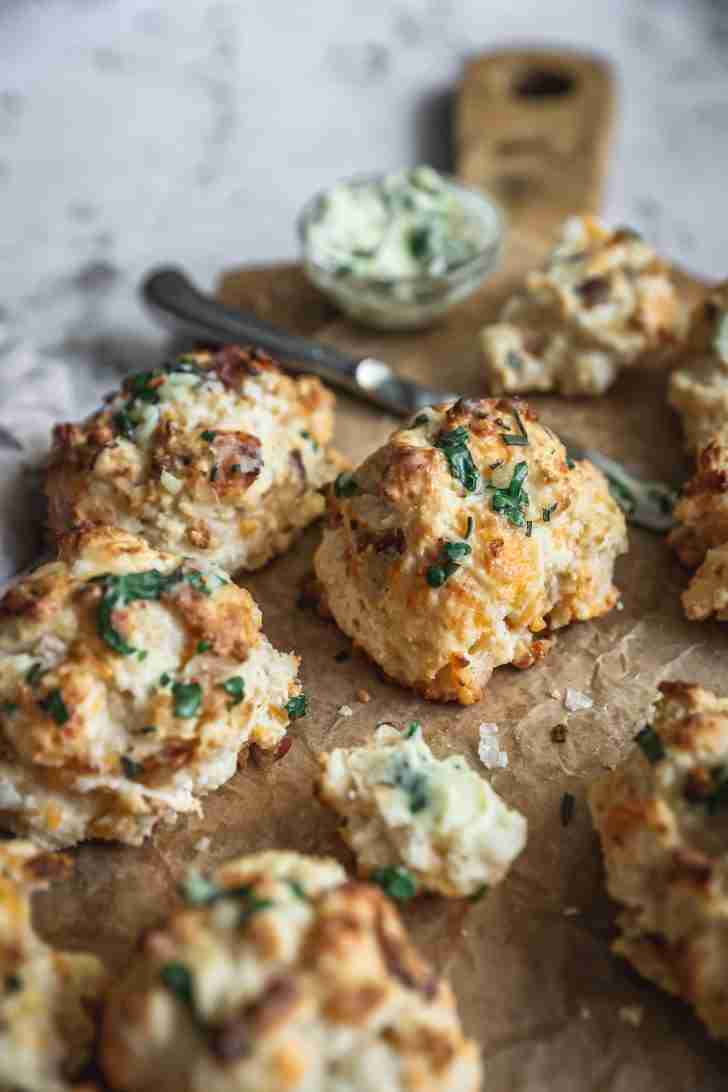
(407,303)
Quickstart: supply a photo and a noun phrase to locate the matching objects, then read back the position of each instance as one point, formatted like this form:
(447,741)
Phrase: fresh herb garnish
(34,673)
(187,698)
(421,419)
(570,463)
(307,436)
(650,743)
(395,882)
(568,802)
(451,555)
(124,424)
(297,889)
(178,980)
(142,655)
(297,707)
(419,241)
(203,646)
(511,500)
(119,590)
(478,895)
(234,687)
(413,783)
(454,446)
(9,707)
(548,512)
(56,707)
(413,729)
(529,528)
(519,439)
(346,485)
(165,679)
(469,528)
(131,769)
(208,435)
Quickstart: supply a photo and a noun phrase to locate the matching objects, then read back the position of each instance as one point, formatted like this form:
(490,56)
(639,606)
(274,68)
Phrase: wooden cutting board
(537,986)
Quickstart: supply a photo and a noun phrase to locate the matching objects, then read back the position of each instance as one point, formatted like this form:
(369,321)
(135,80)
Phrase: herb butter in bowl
(395,251)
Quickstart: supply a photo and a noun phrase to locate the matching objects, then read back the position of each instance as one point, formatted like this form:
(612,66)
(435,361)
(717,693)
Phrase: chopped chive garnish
(297,707)
(34,674)
(469,529)
(131,769)
(519,439)
(478,895)
(187,698)
(650,743)
(448,562)
(346,485)
(208,435)
(55,706)
(413,729)
(529,528)
(395,882)
(421,419)
(454,446)
(234,687)
(178,980)
(165,679)
(548,512)
(511,499)
(204,646)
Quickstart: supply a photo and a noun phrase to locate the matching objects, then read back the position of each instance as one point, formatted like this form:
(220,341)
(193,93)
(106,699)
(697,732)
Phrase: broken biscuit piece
(402,808)
(600,304)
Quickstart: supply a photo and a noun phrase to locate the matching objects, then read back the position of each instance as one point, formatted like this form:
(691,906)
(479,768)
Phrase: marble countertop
(153,130)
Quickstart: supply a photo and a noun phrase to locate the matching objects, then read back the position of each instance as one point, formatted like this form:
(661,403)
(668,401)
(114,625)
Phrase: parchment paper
(530,964)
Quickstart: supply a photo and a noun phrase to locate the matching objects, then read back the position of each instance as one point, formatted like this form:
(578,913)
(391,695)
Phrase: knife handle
(172,297)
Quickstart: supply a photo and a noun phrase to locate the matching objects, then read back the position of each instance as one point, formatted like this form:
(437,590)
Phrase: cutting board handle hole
(544,83)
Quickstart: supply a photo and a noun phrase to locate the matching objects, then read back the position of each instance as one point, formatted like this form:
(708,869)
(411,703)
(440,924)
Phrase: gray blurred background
(140,131)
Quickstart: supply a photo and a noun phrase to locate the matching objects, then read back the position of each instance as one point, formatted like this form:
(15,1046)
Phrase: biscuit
(602,301)
(280,975)
(46,996)
(218,456)
(463,542)
(661,817)
(404,809)
(699,391)
(132,682)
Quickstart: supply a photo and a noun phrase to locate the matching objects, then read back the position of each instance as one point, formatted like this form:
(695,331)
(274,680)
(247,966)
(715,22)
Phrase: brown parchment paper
(538,987)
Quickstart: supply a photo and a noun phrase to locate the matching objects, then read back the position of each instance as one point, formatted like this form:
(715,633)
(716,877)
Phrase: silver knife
(173,298)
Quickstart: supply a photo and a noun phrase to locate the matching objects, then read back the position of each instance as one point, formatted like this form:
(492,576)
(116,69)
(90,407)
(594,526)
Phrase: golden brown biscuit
(282,976)
(699,391)
(404,809)
(662,816)
(463,542)
(602,301)
(132,682)
(218,455)
(46,997)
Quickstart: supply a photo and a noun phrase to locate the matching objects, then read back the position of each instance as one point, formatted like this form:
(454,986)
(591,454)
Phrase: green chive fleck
(131,769)
(480,893)
(34,674)
(234,687)
(297,707)
(208,435)
(187,698)
(548,512)
(204,646)
(56,707)
(413,729)
(346,485)
(178,980)
(454,446)
(650,743)
(519,439)
(395,882)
